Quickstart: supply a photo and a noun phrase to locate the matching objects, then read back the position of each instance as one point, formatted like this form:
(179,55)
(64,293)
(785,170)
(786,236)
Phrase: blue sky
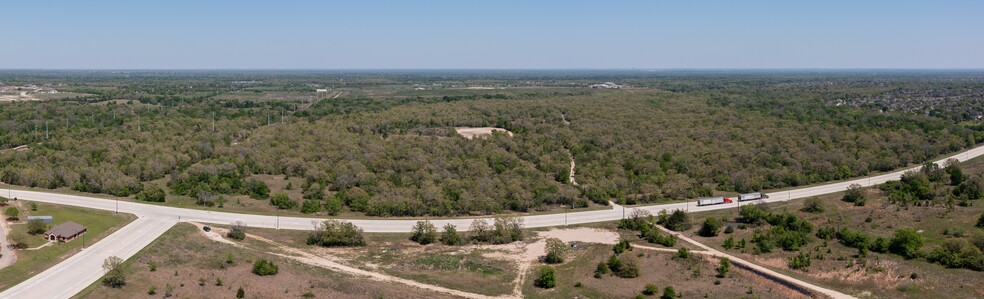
(491,34)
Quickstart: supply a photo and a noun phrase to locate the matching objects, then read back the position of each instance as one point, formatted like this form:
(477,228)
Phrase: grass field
(878,275)
(30,262)
(192,265)
(692,277)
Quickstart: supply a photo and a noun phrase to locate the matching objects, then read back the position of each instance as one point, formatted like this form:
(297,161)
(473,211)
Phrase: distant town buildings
(606,85)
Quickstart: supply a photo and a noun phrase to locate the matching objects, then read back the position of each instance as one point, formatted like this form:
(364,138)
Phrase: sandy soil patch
(480,132)
(582,234)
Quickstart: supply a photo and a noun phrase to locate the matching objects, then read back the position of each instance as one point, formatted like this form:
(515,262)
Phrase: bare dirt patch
(479,132)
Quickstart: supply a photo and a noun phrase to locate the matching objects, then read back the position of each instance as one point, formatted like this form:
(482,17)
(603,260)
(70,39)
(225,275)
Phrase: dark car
(206,229)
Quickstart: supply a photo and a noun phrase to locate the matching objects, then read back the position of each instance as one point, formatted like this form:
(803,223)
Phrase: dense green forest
(666,136)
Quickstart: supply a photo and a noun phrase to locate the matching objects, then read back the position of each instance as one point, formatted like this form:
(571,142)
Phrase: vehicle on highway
(752,196)
(713,201)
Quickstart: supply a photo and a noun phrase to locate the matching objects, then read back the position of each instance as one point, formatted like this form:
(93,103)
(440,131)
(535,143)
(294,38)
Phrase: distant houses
(606,85)
(65,232)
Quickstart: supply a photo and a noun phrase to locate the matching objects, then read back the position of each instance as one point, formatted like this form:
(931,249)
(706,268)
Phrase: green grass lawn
(31,262)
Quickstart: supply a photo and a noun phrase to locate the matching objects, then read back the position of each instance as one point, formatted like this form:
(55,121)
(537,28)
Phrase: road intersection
(82,269)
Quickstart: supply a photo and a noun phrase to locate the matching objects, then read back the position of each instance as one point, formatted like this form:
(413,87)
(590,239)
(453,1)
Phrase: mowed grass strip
(31,262)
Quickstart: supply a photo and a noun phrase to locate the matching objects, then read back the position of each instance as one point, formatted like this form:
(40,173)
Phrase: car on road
(206,229)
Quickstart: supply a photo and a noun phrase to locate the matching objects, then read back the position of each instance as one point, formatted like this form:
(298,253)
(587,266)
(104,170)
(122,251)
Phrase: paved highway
(79,271)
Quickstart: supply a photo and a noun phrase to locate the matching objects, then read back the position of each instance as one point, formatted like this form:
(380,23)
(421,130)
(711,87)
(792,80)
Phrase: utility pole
(117,205)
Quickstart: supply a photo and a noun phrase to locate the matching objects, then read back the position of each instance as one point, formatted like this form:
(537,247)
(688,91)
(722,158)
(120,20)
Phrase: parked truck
(752,196)
(713,201)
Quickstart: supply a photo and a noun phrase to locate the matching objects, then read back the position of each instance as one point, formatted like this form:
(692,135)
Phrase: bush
(813,205)
(906,243)
(728,243)
(668,293)
(281,201)
(650,289)
(237,231)
(36,226)
(710,227)
(115,273)
(263,267)
(503,230)
(12,213)
(679,220)
(601,269)
(958,253)
(423,232)
(547,278)
(621,247)
(730,229)
(333,233)
(333,205)
(854,194)
(980,221)
(151,193)
(450,236)
(723,269)
(310,206)
(683,253)
(240,293)
(555,251)
(624,266)
(800,261)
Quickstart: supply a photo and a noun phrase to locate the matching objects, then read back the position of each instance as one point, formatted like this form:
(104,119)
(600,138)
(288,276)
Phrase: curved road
(80,270)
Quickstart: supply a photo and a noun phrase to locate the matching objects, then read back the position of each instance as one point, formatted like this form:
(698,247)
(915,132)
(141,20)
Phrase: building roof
(66,230)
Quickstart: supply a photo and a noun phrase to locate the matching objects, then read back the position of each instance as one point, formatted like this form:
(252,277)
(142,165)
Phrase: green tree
(333,233)
(264,267)
(668,293)
(237,231)
(906,243)
(555,251)
(281,201)
(677,221)
(854,194)
(710,227)
(813,205)
(12,213)
(450,236)
(547,278)
(310,206)
(601,269)
(723,269)
(115,272)
(151,193)
(36,226)
(423,232)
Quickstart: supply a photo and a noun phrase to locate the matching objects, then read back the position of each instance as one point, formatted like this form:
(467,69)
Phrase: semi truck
(752,196)
(713,201)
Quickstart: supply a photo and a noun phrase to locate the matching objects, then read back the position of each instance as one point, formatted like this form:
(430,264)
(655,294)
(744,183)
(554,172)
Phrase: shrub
(34,206)
(710,227)
(722,270)
(281,201)
(333,205)
(12,213)
(650,289)
(906,243)
(503,230)
(679,220)
(333,233)
(800,261)
(813,205)
(980,221)
(423,232)
(151,193)
(668,293)
(450,236)
(36,226)
(621,246)
(115,273)
(152,290)
(854,194)
(257,189)
(958,253)
(547,278)
(240,293)
(263,267)
(728,243)
(237,231)
(601,269)
(310,206)
(683,253)
(624,266)
(730,229)
(555,251)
